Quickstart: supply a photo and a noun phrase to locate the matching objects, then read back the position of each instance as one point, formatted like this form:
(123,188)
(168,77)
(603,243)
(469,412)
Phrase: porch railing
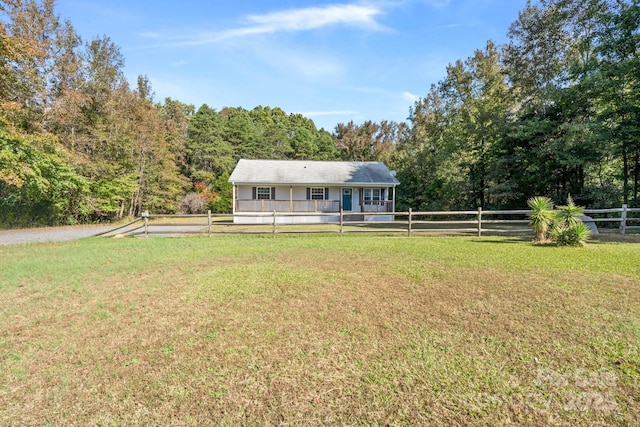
(377,206)
(262,205)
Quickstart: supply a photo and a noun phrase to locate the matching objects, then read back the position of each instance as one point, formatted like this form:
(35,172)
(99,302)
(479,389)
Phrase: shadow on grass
(614,238)
(601,239)
(510,240)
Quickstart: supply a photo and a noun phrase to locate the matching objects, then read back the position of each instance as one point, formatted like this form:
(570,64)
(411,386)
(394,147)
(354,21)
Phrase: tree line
(554,111)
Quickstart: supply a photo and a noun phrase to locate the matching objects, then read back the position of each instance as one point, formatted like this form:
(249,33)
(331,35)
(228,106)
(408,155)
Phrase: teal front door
(346,199)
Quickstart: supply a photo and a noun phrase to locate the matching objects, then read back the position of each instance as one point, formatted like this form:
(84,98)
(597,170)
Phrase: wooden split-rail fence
(476,222)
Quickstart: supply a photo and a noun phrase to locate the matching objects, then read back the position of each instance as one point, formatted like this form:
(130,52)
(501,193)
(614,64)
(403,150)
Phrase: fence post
(479,221)
(341,220)
(623,219)
(274,224)
(409,223)
(145,217)
(209,221)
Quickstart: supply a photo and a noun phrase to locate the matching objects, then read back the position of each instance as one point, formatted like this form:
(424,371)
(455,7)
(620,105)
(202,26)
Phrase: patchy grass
(315,330)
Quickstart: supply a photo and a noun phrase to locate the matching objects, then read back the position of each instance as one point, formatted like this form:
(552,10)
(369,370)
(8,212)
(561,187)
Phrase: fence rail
(411,222)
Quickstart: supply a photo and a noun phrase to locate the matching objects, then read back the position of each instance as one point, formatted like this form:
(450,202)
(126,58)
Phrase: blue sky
(333,61)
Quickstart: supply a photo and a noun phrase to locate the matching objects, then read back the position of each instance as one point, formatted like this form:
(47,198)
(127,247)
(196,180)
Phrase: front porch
(311,191)
(308,206)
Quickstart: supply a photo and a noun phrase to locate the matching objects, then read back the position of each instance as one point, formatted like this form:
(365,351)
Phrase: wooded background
(555,111)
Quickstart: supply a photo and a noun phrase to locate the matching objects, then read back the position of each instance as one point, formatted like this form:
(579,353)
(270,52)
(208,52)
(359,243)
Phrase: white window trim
(263,193)
(319,191)
(369,195)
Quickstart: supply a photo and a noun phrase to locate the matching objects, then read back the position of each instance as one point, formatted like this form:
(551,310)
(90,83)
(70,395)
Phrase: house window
(263,193)
(317,193)
(372,194)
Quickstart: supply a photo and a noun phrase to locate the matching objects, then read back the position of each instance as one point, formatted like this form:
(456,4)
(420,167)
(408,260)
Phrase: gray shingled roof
(311,172)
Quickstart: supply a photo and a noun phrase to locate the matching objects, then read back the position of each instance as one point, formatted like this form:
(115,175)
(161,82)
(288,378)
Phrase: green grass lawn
(319,329)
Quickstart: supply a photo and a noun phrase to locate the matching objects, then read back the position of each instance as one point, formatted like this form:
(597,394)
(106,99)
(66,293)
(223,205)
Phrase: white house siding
(291,178)
(245,192)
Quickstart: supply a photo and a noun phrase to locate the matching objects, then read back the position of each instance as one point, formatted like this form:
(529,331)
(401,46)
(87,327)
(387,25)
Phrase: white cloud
(410,97)
(316,17)
(317,67)
(178,64)
(367,89)
(150,35)
(304,19)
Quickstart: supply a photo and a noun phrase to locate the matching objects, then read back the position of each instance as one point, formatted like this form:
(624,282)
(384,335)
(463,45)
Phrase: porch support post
(291,198)
(393,203)
(233,197)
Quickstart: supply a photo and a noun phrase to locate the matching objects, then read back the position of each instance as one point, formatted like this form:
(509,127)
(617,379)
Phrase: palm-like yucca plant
(541,217)
(568,229)
(576,235)
(569,215)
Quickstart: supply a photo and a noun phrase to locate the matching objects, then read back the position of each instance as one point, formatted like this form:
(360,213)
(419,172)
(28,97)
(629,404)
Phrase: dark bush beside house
(192,203)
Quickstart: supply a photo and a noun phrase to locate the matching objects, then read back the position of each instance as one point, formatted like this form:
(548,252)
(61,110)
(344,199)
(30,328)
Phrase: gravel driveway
(57,234)
(50,234)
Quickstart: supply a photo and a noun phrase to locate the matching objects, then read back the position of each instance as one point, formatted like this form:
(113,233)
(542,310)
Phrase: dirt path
(50,234)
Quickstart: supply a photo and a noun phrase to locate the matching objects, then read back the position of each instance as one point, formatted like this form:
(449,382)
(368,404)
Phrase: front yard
(316,330)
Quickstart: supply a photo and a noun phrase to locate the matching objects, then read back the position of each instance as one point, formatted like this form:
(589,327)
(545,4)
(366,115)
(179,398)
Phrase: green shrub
(574,235)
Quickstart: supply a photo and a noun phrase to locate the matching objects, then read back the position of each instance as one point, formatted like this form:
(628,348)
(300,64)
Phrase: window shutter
(326,193)
(273,193)
(308,193)
(382,194)
(254,196)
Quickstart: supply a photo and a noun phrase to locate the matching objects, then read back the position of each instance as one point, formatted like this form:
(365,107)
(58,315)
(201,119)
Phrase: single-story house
(261,187)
